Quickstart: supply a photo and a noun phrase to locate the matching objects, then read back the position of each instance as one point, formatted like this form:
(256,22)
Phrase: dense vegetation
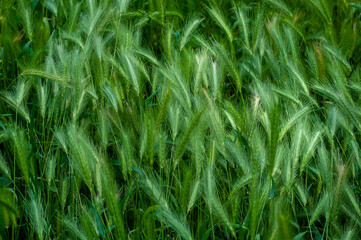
(168,119)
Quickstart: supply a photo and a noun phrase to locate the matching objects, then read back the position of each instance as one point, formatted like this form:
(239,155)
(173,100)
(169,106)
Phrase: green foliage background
(180,119)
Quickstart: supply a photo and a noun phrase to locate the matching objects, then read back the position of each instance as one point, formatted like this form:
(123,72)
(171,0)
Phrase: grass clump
(180,119)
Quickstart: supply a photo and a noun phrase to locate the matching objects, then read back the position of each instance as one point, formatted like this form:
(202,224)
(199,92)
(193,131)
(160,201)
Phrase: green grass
(180,119)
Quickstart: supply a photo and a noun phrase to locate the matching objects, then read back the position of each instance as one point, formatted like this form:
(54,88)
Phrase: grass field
(164,119)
